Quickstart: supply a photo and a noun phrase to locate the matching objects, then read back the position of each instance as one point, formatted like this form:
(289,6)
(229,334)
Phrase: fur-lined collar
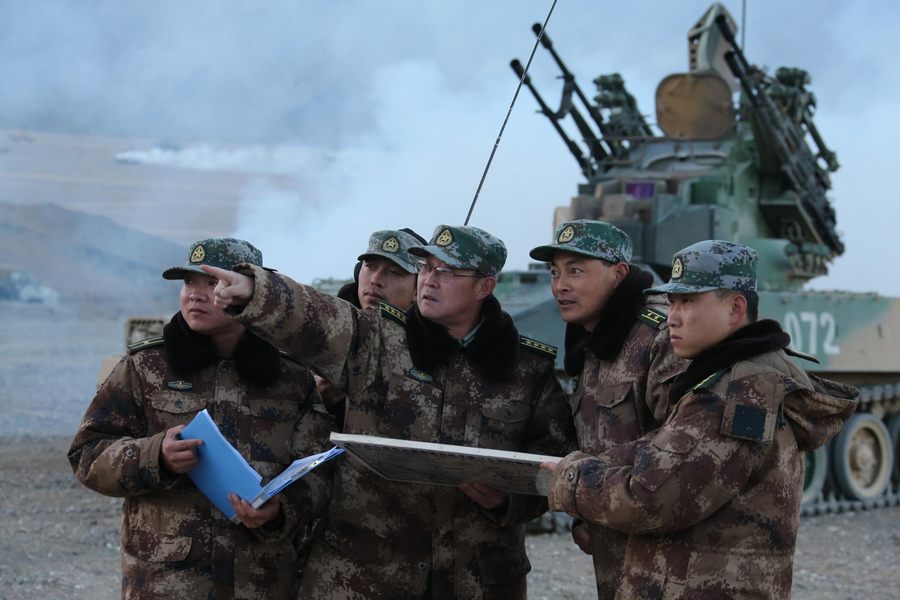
(616,320)
(748,341)
(494,352)
(350,293)
(188,351)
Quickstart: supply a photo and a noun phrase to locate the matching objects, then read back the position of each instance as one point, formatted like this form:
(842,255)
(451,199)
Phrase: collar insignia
(198,255)
(390,245)
(444,239)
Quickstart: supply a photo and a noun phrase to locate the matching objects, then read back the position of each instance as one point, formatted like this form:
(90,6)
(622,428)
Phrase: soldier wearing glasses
(452,369)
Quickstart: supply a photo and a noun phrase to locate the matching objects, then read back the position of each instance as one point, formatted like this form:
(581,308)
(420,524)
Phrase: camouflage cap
(711,265)
(216,252)
(465,248)
(393,245)
(595,239)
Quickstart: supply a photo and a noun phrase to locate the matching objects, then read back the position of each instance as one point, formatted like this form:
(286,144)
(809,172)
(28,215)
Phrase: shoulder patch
(539,347)
(709,381)
(392,312)
(143,344)
(652,317)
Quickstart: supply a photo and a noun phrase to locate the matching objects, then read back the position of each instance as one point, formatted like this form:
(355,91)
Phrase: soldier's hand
(233,289)
(549,466)
(178,455)
(486,496)
(581,535)
(255,517)
(323,386)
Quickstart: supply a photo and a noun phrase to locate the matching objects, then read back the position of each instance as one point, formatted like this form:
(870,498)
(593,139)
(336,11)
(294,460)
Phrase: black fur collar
(494,352)
(187,351)
(350,293)
(748,341)
(616,320)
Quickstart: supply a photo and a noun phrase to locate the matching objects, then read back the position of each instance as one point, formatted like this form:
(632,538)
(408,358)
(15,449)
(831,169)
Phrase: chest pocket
(608,417)
(272,424)
(504,423)
(411,409)
(171,408)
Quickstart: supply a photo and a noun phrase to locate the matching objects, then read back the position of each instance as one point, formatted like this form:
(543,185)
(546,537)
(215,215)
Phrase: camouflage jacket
(174,541)
(406,378)
(711,499)
(621,396)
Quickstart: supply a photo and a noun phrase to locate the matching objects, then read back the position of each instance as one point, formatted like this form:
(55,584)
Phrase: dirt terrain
(60,540)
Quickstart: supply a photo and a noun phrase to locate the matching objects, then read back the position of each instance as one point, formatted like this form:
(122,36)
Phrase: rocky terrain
(60,540)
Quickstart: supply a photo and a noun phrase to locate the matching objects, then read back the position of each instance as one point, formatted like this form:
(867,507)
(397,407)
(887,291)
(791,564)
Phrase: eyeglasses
(442,273)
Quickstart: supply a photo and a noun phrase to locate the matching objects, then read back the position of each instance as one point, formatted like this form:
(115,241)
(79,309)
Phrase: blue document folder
(221,469)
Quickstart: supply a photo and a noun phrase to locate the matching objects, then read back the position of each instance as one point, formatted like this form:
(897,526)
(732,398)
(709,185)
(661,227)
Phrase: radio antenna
(508,113)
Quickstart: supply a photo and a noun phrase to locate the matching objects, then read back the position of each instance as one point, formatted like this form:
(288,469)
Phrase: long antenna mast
(508,113)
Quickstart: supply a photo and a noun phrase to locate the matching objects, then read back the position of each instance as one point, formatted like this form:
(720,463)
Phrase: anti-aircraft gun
(755,171)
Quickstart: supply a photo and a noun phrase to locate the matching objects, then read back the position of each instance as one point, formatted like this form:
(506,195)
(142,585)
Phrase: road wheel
(863,457)
(894,430)
(815,468)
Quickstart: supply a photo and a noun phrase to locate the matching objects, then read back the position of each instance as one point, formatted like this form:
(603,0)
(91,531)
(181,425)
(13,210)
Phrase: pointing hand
(233,289)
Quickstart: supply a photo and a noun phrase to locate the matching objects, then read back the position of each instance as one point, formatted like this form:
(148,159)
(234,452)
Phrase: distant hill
(93,263)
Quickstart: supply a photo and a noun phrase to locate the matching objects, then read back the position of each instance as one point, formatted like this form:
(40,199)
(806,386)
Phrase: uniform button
(129,452)
(570,474)
(508,413)
(421,565)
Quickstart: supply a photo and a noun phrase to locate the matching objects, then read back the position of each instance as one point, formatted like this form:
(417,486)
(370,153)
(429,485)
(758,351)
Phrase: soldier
(618,353)
(386,271)
(174,541)
(451,369)
(712,498)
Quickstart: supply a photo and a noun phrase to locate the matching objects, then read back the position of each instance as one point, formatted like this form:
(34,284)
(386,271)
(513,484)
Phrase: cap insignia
(677,268)
(390,245)
(566,235)
(198,255)
(444,239)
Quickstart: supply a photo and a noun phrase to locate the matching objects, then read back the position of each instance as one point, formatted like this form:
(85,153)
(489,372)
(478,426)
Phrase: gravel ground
(60,540)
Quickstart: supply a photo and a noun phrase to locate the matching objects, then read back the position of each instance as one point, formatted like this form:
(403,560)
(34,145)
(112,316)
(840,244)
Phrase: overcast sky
(388,110)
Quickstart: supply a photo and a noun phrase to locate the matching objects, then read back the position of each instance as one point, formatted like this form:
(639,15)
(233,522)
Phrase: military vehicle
(738,157)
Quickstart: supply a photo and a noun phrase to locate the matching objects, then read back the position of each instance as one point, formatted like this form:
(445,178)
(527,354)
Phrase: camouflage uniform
(394,245)
(621,370)
(174,541)
(712,498)
(407,378)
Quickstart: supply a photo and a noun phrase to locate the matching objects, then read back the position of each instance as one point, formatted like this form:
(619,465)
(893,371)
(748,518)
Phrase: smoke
(355,116)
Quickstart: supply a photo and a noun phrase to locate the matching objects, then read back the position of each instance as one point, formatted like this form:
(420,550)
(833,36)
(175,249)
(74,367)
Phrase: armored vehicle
(735,155)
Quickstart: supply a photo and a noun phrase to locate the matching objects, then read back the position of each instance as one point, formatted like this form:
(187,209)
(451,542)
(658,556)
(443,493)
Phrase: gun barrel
(586,167)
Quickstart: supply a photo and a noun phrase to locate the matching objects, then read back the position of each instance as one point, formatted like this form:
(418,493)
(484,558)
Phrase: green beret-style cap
(393,245)
(595,239)
(216,252)
(711,265)
(465,248)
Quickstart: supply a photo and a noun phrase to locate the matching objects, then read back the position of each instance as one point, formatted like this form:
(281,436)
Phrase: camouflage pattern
(711,265)
(595,239)
(465,248)
(393,245)
(711,512)
(216,252)
(395,540)
(175,543)
(616,402)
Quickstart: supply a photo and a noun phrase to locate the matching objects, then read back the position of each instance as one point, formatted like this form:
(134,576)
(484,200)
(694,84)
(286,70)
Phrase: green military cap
(394,245)
(216,252)
(711,265)
(465,248)
(595,239)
